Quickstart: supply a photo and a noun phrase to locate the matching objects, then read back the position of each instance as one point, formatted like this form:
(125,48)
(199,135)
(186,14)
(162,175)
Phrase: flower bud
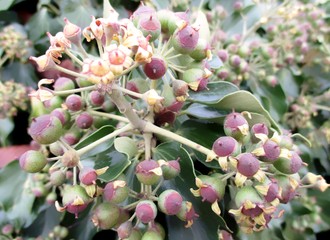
(146,211)
(96,98)
(169,202)
(72,32)
(51,198)
(74,102)
(45,129)
(150,26)
(258,128)
(106,215)
(248,165)
(170,169)
(63,83)
(152,235)
(62,114)
(226,146)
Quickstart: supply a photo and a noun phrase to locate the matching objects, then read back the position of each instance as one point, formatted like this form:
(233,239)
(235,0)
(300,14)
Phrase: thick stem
(72,73)
(72,91)
(108,115)
(149,127)
(129,92)
(115,133)
(125,108)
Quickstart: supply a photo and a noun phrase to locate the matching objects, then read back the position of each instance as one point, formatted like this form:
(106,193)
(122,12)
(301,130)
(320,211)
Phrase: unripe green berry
(32,161)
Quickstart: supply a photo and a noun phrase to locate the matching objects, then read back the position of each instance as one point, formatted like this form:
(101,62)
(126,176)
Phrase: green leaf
(216,91)
(203,24)
(202,111)
(116,161)
(101,132)
(39,24)
(243,101)
(6,127)
(4,5)
(126,145)
(21,73)
(78,12)
(16,199)
(204,227)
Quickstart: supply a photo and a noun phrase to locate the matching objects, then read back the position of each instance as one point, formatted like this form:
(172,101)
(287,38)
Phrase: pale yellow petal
(262,189)
(262,137)
(223,163)
(101,171)
(215,208)
(259,152)
(196,193)
(119,183)
(158,171)
(58,207)
(240,179)
(260,176)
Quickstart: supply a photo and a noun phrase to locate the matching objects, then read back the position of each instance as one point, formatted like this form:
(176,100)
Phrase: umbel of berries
(75,199)
(169,202)
(32,161)
(148,172)
(106,215)
(252,213)
(211,189)
(248,166)
(45,129)
(146,211)
(225,147)
(236,126)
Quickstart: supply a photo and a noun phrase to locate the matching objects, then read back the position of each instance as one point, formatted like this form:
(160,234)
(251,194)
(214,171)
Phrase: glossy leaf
(18,201)
(101,132)
(206,226)
(21,72)
(215,92)
(4,5)
(6,127)
(116,161)
(126,145)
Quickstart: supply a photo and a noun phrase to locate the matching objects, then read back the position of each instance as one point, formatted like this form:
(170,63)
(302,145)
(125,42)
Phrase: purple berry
(236,126)
(75,199)
(63,83)
(213,188)
(248,164)
(185,40)
(45,129)
(272,151)
(146,211)
(187,213)
(223,55)
(32,161)
(169,202)
(74,102)
(147,172)
(171,169)
(225,146)
(96,98)
(87,176)
(290,164)
(155,69)
(61,114)
(150,25)
(125,230)
(258,128)
(116,191)
(84,120)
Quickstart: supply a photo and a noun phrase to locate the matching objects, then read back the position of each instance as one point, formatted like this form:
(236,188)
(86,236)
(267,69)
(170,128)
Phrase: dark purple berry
(96,98)
(74,102)
(272,151)
(84,120)
(155,69)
